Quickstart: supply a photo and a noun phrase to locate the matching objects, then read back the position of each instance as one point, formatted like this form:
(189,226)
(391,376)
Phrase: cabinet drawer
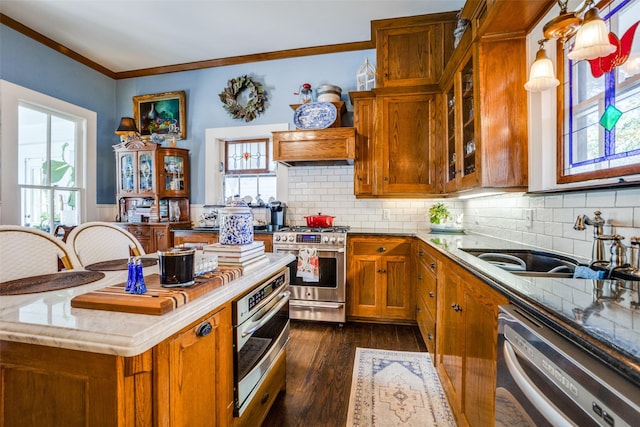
(382,247)
(426,287)
(427,259)
(140,231)
(427,326)
(266,394)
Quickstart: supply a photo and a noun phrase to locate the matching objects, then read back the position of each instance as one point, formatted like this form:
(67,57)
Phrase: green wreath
(255,105)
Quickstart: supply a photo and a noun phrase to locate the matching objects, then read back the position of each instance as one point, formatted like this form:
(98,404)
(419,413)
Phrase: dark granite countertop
(608,327)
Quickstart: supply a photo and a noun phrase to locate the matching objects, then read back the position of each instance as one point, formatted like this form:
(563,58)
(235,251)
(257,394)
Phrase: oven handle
(296,250)
(539,400)
(317,305)
(272,312)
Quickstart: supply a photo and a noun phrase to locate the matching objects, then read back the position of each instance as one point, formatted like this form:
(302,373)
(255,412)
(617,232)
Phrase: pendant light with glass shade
(592,41)
(542,75)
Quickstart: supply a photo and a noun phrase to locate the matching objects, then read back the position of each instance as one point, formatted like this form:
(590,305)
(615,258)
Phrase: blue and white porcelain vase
(236,224)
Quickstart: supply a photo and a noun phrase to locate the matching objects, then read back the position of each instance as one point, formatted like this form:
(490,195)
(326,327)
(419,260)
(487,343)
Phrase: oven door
(331,276)
(258,342)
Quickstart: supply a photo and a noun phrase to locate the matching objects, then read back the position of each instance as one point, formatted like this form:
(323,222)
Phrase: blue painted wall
(30,64)
(35,66)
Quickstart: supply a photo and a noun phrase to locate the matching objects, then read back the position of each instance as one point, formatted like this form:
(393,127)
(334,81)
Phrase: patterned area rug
(396,388)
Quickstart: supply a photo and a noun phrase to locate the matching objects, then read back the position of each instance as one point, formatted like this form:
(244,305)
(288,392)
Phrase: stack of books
(249,257)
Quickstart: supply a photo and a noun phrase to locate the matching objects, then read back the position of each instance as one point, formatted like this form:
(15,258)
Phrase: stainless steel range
(318,276)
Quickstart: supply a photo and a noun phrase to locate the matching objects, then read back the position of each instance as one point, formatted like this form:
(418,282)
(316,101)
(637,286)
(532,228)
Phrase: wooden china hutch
(152,191)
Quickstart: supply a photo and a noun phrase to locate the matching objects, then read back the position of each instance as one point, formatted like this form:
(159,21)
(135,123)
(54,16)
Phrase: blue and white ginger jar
(236,224)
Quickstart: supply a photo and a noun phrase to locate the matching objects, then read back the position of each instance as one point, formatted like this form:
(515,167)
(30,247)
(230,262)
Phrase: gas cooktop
(305,229)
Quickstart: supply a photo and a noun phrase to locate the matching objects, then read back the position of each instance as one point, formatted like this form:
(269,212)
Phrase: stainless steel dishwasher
(545,380)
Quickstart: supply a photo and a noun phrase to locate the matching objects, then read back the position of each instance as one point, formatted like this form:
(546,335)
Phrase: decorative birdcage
(366,76)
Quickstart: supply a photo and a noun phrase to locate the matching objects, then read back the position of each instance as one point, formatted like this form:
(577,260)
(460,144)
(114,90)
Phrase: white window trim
(214,154)
(12,95)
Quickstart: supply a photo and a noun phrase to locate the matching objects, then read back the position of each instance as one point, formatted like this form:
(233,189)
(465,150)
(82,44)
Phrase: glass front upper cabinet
(174,178)
(145,171)
(127,172)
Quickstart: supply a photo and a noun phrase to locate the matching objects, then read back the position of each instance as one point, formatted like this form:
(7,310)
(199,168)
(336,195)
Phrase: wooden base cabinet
(467,330)
(154,236)
(379,281)
(44,386)
(187,380)
(194,374)
(426,293)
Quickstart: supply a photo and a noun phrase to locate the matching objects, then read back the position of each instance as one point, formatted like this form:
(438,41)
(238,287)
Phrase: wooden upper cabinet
(397,140)
(410,51)
(364,121)
(485,113)
(503,112)
(407,135)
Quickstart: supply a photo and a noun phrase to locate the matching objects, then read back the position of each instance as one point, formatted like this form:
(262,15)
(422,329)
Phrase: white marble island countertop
(47,318)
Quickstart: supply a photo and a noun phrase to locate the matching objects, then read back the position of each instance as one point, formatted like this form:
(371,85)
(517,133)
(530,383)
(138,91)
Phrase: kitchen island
(69,366)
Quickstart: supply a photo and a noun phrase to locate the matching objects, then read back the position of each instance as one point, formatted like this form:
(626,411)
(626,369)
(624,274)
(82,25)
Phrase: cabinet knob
(419,276)
(433,265)
(421,253)
(382,249)
(264,399)
(429,336)
(456,307)
(386,178)
(431,294)
(382,271)
(204,329)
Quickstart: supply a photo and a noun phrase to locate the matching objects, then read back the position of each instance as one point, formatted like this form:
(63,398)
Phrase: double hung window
(50,147)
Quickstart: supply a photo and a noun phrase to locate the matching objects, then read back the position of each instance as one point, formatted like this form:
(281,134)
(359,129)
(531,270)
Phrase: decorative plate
(315,115)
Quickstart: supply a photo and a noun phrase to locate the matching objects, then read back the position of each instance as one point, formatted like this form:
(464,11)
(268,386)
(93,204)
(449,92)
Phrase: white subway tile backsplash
(330,190)
(553,201)
(620,217)
(573,200)
(601,199)
(629,198)
(563,215)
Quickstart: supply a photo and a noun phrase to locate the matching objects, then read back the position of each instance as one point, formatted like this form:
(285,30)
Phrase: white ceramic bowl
(329,93)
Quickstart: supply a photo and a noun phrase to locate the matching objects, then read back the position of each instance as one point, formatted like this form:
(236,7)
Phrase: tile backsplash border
(329,190)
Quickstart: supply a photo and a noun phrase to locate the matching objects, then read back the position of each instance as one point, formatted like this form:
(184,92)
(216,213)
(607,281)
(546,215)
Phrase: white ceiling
(125,35)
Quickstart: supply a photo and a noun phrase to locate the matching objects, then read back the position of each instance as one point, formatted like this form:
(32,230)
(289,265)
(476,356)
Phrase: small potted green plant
(439,213)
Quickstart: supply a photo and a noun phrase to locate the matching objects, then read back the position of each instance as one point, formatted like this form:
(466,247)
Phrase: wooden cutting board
(157,300)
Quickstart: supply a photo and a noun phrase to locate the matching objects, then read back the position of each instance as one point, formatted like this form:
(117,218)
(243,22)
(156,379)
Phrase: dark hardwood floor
(319,368)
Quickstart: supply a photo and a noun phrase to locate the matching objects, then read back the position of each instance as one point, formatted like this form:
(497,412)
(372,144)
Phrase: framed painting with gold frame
(161,113)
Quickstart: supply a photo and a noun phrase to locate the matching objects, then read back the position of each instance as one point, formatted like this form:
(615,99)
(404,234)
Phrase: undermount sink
(527,262)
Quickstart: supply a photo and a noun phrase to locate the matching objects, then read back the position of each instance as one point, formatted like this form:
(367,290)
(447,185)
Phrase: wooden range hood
(323,147)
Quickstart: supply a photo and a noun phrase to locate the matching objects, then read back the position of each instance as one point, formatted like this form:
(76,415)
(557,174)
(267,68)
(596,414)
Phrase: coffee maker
(278,215)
